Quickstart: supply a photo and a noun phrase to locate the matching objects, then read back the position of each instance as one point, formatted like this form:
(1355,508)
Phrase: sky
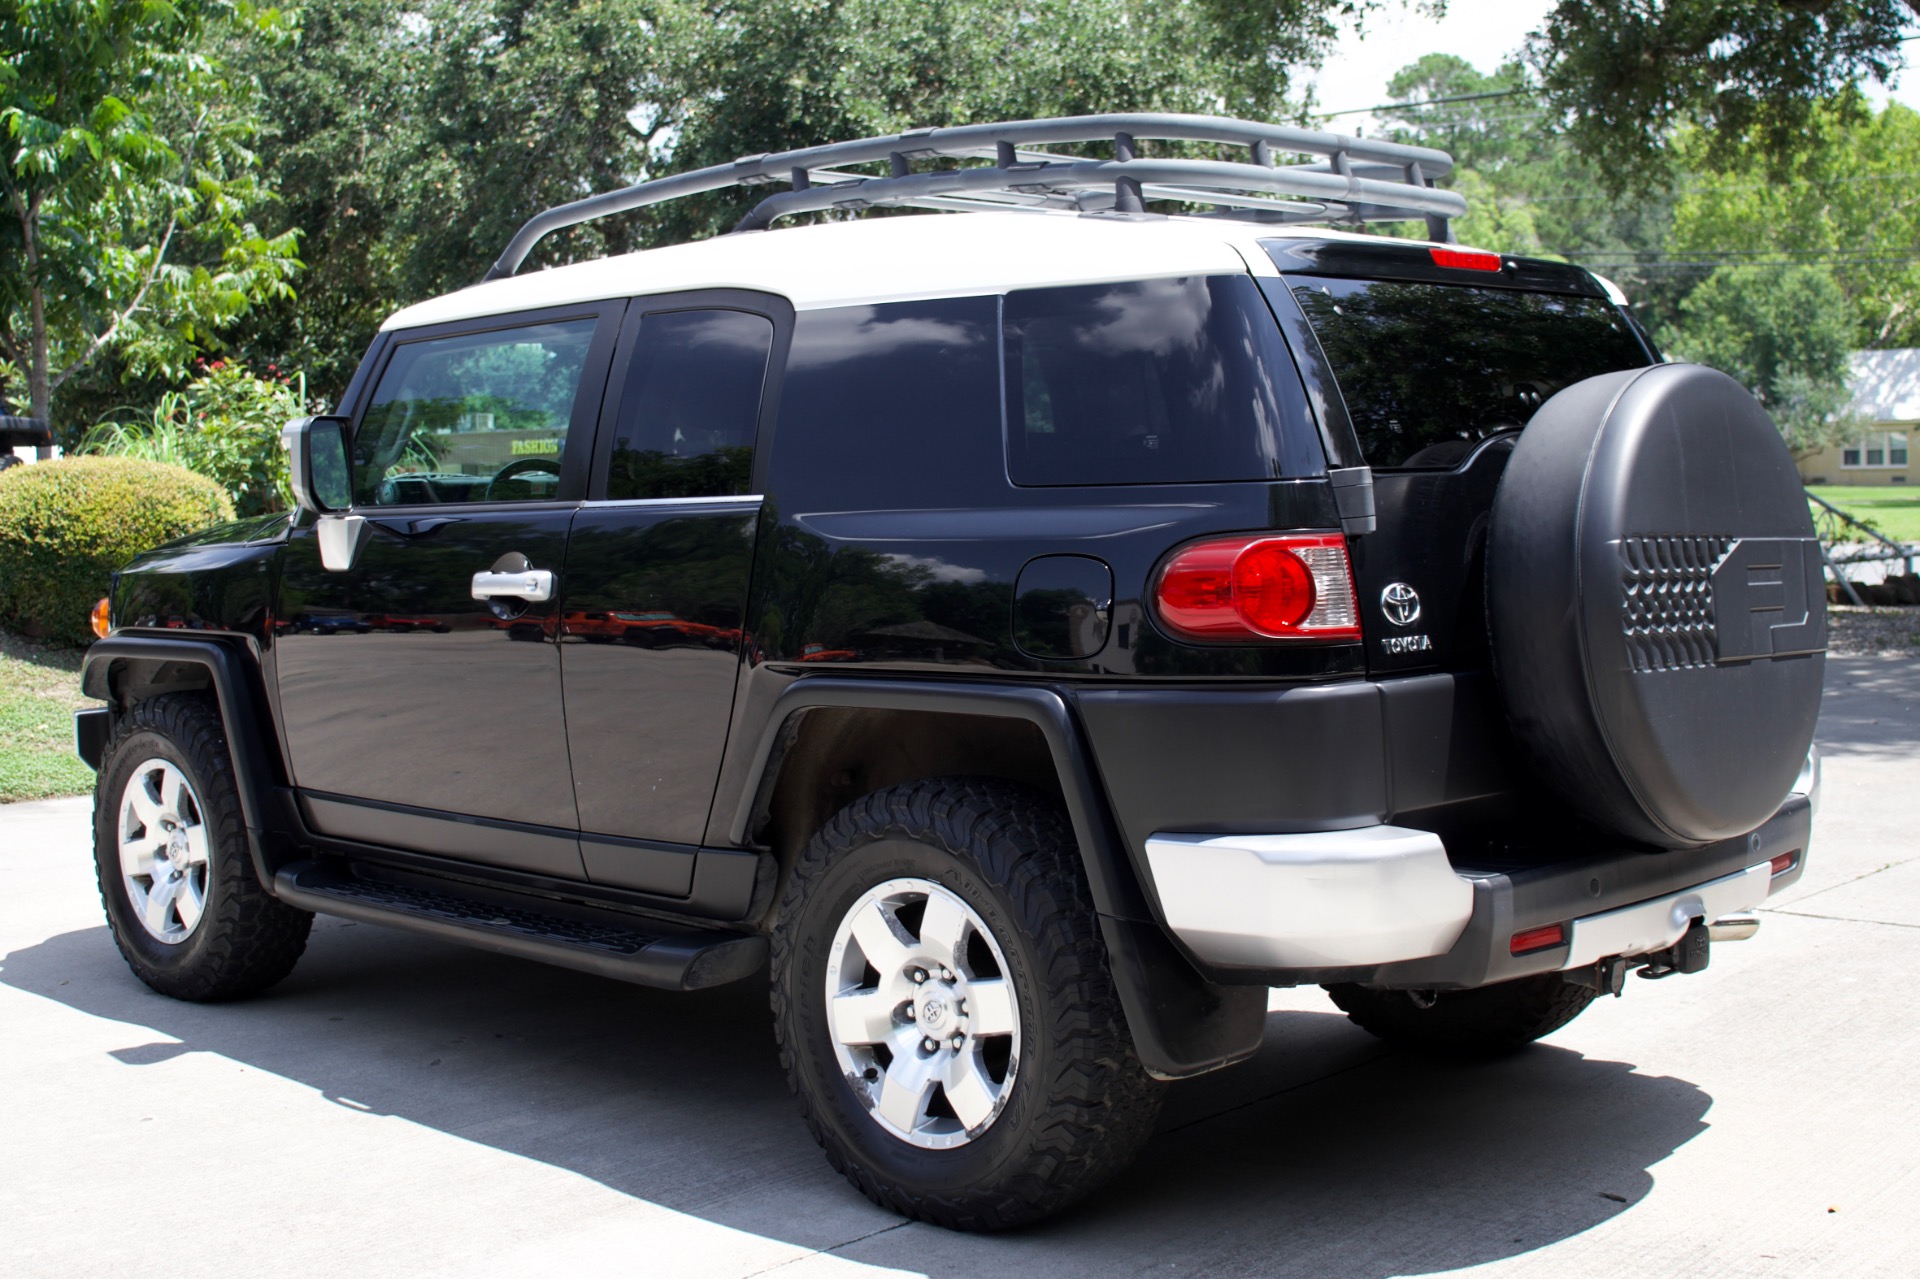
(1484,32)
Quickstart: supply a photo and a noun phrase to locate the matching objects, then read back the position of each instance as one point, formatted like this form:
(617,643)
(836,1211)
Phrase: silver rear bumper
(1380,895)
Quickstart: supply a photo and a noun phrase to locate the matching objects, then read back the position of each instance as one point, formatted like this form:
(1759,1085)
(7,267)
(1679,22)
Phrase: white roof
(1886,384)
(889,260)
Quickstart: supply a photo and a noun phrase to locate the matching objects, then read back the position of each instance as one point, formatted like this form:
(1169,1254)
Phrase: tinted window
(692,402)
(1427,369)
(890,406)
(478,417)
(1155,381)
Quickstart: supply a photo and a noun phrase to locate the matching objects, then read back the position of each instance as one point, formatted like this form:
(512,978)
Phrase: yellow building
(1886,392)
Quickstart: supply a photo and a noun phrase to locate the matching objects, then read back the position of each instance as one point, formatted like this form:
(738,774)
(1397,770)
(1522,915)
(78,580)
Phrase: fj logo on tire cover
(1688,602)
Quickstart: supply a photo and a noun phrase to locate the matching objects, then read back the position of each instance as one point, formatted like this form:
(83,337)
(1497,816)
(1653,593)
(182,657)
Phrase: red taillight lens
(1786,862)
(1545,938)
(1466,259)
(1294,586)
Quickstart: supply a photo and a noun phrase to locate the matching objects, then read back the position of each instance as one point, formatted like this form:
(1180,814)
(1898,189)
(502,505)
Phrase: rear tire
(170,850)
(1489,1022)
(957,909)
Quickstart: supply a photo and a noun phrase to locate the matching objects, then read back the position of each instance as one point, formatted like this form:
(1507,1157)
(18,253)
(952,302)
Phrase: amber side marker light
(101,621)
(1543,938)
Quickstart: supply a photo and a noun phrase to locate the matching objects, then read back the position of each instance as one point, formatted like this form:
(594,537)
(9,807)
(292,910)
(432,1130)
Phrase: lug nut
(930,1043)
(946,975)
(917,975)
(910,1013)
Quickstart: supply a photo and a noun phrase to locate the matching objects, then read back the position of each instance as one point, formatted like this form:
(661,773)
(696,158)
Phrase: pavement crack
(1878,870)
(816,1252)
(1842,919)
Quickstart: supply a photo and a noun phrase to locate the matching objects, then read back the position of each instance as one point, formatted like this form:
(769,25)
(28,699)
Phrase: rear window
(1151,381)
(1428,369)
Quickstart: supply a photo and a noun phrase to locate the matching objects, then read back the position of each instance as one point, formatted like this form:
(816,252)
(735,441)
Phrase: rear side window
(895,405)
(1428,369)
(1152,382)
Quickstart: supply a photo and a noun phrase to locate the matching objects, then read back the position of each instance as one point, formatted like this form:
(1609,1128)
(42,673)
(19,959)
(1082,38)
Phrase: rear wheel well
(833,755)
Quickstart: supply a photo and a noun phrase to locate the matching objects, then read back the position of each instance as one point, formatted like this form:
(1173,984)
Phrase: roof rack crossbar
(1354,179)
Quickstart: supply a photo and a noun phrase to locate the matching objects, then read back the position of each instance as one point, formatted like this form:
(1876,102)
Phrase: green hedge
(66,526)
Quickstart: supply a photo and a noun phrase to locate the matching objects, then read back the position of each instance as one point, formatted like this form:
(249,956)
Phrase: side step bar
(643,952)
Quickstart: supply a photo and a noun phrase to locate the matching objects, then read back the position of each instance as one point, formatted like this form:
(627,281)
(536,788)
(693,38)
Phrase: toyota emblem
(1401,604)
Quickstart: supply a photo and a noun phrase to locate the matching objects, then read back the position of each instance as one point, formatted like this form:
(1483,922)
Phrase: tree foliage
(129,184)
(1847,201)
(1784,334)
(1627,73)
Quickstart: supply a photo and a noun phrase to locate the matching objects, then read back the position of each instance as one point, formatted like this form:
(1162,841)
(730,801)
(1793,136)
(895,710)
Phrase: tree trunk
(39,391)
(39,396)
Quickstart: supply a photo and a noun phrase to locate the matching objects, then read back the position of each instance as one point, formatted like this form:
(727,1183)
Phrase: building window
(1883,450)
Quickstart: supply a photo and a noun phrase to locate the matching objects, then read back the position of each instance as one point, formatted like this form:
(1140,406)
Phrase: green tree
(1847,202)
(128,182)
(1626,74)
(1783,332)
(410,138)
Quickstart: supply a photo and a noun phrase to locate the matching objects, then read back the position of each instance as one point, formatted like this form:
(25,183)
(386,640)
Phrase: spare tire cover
(1656,604)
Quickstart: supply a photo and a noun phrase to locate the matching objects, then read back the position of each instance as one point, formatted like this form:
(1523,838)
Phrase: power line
(1428,102)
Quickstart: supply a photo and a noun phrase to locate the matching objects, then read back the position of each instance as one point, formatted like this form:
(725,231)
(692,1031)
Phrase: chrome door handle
(533,584)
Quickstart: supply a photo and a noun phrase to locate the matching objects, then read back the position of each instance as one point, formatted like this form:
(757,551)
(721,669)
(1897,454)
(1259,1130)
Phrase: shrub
(225,424)
(68,525)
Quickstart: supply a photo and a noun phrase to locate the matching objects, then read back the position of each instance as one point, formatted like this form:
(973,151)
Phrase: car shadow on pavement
(1328,1154)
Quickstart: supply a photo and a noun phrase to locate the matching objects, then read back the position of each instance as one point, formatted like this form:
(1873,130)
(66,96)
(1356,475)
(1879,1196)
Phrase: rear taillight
(1260,586)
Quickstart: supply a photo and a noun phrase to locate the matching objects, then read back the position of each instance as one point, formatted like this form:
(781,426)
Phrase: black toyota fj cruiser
(1034,632)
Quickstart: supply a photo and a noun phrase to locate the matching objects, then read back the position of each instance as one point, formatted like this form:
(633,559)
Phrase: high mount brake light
(1466,259)
(1260,586)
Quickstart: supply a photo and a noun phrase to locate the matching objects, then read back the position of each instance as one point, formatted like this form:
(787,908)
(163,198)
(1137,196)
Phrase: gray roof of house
(1886,384)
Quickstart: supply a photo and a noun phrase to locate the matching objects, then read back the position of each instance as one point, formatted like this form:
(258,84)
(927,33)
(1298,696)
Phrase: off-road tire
(246,939)
(1081,1104)
(1489,1022)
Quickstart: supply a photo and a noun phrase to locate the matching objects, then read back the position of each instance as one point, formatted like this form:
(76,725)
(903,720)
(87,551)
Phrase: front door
(416,715)
(656,574)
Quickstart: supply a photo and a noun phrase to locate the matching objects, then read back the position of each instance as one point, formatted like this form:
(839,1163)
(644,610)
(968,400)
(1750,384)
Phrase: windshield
(1427,370)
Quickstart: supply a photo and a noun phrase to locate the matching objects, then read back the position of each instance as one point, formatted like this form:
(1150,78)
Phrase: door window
(691,405)
(477,417)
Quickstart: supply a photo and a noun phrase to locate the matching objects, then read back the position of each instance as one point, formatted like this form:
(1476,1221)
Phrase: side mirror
(322,475)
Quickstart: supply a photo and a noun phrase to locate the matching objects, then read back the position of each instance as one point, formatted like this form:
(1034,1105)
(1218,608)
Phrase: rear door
(1436,371)
(651,630)
(415,715)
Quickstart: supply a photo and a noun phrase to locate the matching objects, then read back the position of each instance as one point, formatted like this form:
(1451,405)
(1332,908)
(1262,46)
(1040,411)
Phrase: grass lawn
(1893,508)
(39,691)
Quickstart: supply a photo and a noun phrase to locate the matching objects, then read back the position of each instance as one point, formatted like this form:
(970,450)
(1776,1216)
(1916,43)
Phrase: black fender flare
(1183,1025)
(235,680)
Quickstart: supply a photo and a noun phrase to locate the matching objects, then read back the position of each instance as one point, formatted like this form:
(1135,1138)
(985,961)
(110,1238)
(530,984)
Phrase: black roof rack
(1353,180)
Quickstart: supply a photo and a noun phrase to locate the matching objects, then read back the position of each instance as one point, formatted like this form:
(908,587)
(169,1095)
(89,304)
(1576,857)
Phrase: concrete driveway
(403,1107)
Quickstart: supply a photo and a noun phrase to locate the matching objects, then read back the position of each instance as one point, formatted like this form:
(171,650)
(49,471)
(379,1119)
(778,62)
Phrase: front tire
(1488,1022)
(945,1012)
(170,851)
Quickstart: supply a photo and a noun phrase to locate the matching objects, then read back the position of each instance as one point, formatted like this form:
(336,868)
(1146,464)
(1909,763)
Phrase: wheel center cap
(934,1012)
(176,845)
